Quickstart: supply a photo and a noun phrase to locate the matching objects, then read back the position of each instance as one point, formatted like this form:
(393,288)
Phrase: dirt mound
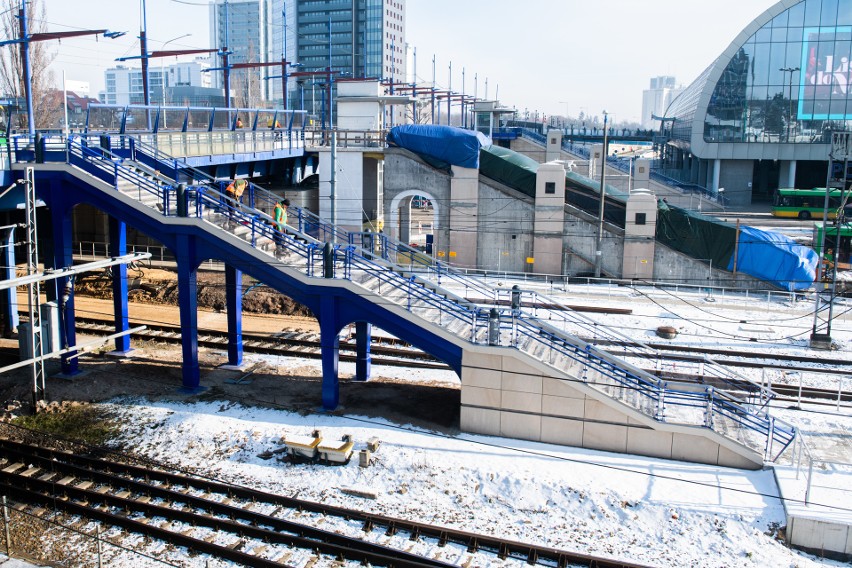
(155,286)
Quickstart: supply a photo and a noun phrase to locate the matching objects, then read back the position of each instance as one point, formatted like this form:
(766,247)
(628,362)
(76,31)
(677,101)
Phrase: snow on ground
(655,512)
(649,511)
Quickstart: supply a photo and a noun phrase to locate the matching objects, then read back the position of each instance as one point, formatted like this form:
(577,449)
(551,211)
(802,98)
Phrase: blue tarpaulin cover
(776,258)
(447,143)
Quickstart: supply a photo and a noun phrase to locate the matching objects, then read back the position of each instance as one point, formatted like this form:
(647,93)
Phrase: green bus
(838,242)
(806,203)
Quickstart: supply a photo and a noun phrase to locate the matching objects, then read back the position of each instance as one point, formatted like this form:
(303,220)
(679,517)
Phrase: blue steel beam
(234,308)
(118,247)
(193,242)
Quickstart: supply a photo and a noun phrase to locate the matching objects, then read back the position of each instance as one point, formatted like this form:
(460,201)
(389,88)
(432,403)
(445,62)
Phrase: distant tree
(45,108)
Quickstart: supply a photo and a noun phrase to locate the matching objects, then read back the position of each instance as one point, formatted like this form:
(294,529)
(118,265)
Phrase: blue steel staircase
(394,286)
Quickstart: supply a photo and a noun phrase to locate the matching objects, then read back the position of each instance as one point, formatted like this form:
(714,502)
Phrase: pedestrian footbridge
(524,370)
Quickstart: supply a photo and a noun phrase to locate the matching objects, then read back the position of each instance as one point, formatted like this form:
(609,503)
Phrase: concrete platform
(823,526)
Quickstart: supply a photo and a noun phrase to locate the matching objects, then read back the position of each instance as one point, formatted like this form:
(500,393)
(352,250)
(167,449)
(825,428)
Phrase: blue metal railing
(516,328)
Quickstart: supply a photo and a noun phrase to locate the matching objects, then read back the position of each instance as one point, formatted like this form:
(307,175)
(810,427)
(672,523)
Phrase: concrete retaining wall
(512,395)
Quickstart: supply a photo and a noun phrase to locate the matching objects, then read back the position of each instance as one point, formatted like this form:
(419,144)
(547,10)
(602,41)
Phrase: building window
(550,187)
(640,218)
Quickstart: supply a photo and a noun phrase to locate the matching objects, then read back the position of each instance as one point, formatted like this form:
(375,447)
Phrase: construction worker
(280,213)
(239,122)
(234,196)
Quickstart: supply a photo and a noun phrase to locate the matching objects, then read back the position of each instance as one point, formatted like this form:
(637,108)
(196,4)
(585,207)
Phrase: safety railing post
(6,527)
(660,410)
(810,480)
(708,412)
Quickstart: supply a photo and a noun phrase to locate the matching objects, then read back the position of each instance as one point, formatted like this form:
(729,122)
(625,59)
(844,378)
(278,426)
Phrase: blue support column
(118,247)
(188,303)
(63,257)
(9,297)
(363,364)
(234,306)
(330,346)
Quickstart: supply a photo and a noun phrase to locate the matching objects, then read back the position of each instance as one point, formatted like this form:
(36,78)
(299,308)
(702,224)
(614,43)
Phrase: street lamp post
(789,70)
(599,239)
(162,71)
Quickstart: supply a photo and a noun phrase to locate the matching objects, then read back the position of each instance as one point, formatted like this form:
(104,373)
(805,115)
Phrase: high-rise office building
(656,100)
(243,27)
(355,38)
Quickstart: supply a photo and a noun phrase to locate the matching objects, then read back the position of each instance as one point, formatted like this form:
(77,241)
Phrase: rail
(492,326)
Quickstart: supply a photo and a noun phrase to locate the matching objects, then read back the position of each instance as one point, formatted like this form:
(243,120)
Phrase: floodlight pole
(599,238)
(143,51)
(28,72)
(789,70)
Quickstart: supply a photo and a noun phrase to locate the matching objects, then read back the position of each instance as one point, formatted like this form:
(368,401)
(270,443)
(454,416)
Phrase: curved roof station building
(760,116)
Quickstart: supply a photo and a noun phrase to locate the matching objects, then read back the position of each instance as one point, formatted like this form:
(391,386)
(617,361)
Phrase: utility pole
(841,151)
(599,239)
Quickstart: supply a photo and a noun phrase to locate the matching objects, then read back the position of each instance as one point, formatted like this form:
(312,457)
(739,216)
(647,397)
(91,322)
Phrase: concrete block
(804,532)
(476,396)
(607,437)
(694,448)
(729,458)
(521,401)
(647,442)
(848,549)
(480,421)
(599,411)
(522,383)
(562,406)
(562,431)
(482,360)
(834,536)
(560,387)
(484,378)
(512,365)
(523,426)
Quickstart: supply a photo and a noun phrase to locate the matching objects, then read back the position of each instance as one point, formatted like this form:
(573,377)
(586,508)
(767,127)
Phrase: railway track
(240,524)
(394,352)
(384,351)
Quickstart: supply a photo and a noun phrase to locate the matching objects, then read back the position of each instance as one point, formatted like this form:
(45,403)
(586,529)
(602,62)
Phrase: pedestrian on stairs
(280,213)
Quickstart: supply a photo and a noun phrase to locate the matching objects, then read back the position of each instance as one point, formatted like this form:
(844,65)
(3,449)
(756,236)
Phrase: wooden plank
(12,468)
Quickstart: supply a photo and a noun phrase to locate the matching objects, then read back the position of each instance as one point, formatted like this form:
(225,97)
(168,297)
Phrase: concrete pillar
(188,304)
(63,257)
(464,206)
(234,309)
(9,297)
(788,177)
(405,221)
(549,221)
(714,176)
(642,173)
(363,361)
(330,347)
(118,247)
(639,230)
(554,145)
(348,198)
(595,157)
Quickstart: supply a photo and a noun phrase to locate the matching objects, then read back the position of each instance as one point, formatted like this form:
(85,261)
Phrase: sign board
(826,73)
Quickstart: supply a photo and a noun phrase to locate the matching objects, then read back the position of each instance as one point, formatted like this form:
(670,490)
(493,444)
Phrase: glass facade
(788,83)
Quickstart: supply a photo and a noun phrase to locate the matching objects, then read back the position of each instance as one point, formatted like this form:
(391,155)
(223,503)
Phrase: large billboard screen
(826,73)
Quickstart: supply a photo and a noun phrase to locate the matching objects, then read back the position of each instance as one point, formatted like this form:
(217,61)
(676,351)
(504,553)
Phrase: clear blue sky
(554,56)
